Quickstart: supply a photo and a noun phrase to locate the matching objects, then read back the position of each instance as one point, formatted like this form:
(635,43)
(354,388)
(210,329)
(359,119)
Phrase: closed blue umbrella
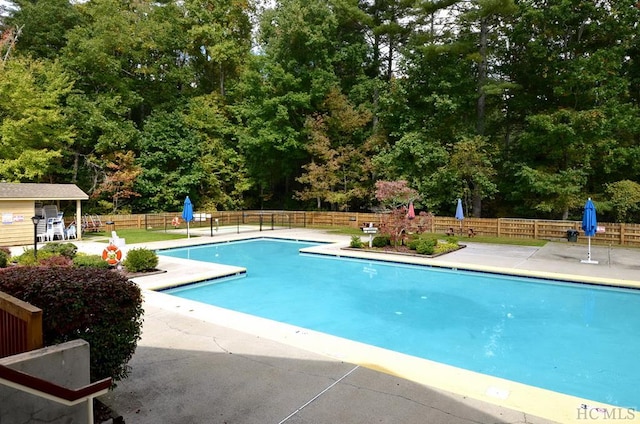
(589,226)
(187,213)
(459,213)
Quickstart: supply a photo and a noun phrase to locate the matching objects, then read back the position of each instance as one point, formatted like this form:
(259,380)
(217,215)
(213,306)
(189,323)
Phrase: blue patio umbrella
(459,213)
(589,226)
(187,213)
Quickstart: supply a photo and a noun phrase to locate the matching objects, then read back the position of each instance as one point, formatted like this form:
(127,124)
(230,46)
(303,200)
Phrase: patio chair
(55,227)
(71,231)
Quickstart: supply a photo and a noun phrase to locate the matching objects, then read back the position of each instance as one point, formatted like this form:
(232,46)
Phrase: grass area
(134,235)
(477,239)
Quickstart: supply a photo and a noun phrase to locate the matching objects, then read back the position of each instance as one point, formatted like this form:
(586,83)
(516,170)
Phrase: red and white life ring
(175,221)
(112,254)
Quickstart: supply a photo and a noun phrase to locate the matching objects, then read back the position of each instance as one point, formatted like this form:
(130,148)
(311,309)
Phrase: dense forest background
(522,108)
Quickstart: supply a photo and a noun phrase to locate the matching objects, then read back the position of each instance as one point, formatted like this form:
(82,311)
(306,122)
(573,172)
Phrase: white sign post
(371,230)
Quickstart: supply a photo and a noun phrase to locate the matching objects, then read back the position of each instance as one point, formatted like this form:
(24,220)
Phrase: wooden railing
(614,233)
(48,390)
(20,326)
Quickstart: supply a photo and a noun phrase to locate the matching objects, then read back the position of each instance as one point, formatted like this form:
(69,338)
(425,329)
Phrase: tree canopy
(522,108)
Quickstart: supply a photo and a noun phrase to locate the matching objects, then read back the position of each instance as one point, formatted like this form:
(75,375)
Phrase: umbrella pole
(589,261)
(188,236)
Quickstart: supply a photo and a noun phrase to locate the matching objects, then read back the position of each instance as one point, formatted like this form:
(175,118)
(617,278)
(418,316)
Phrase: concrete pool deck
(201,364)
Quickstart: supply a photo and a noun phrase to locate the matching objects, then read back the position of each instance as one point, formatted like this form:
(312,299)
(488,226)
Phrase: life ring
(112,254)
(175,221)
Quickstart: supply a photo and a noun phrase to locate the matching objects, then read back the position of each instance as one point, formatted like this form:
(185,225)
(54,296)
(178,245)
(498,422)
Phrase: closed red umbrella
(412,213)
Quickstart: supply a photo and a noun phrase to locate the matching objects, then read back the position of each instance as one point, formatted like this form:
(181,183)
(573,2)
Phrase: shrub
(55,260)
(452,240)
(446,247)
(65,249)
(27,258)
(139,260)
(4,259)
(6,250)
(413,243)
(356,242)
(381,241)
(100,306)
(426,246)
(89,261)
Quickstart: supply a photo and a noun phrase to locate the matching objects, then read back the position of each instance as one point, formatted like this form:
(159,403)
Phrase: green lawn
(134,235)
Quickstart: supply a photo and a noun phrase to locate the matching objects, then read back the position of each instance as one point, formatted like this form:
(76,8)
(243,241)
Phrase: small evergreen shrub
(65,249)
(100,306)
(4,259)
(426,246)
(140,260)
(89,261)
(356,242)
(381,241)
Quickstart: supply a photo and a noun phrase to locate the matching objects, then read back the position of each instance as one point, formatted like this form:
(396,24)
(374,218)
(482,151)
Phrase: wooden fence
(20,326)
(609,233)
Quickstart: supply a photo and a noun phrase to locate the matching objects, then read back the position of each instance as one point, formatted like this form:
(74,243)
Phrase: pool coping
(528,399)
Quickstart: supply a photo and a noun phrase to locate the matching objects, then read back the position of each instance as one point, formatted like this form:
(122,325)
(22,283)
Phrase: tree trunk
(482,78)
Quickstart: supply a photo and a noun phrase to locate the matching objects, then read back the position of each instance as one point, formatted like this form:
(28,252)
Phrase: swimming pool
(570,338)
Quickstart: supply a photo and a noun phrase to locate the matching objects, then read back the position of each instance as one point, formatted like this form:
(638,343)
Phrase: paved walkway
(201,364)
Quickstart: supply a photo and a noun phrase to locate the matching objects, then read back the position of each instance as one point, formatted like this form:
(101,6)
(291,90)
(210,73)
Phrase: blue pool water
(576,339)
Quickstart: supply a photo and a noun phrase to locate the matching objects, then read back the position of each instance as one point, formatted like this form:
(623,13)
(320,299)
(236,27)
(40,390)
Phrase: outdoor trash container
(572,235)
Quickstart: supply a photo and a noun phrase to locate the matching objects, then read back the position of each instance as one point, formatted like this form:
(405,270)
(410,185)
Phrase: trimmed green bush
(140,260)
(27,258)
(426,246)
(381,241)
(100,306)
(65,249)
(356,242)
(89,261)
(4,259)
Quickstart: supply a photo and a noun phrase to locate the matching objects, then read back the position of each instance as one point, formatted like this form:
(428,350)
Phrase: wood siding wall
(16,228)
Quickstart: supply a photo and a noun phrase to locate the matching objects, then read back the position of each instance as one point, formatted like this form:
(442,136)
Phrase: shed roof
(33,191)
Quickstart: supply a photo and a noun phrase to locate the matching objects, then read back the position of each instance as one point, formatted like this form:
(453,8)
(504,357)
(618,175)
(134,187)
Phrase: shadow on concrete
(191,386)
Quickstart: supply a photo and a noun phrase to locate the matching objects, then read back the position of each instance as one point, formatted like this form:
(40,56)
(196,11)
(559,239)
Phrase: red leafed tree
(395,195)
(119,180)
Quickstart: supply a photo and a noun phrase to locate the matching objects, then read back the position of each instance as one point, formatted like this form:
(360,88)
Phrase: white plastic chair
(71,231)
(55,227)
